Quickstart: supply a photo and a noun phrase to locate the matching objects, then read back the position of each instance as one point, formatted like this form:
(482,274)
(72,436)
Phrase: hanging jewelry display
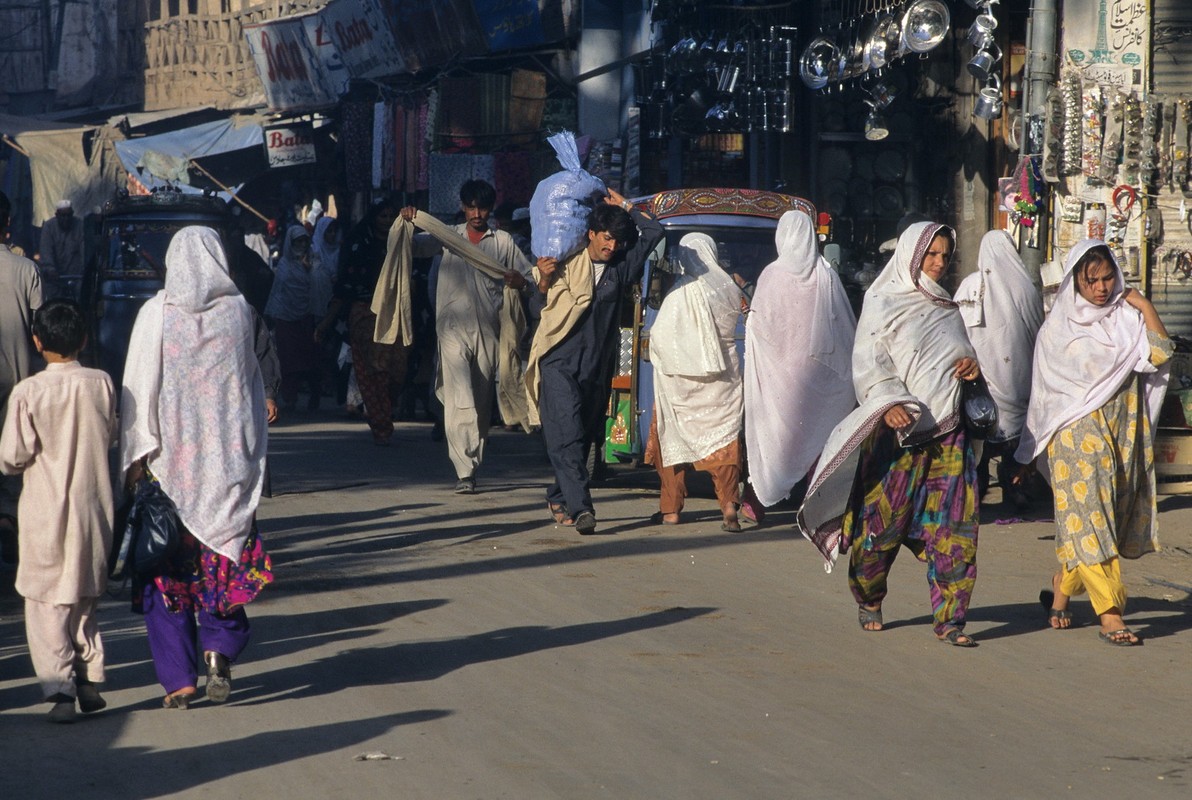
(1149,162)
(1131,139)
(1053,136)
(1111,149)
(1179,157)
(1167,115)
(1094,221)
(1069,163)
(1090,132)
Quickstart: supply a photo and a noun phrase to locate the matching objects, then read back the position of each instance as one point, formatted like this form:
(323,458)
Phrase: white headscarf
(291,297)
(193,401)
(697,374)
(798,361)
(1003,311)
(1084,354)
(326,255)
(909,337)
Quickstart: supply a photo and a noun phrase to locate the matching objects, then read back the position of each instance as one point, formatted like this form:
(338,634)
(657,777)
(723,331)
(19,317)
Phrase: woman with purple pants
(192,418)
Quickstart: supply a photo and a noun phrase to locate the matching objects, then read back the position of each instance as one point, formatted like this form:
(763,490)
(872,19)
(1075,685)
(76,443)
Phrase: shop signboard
(510,24)
(432,32)
(1107,40)
(289,145)
(288,65)
(362,38)
(335,71)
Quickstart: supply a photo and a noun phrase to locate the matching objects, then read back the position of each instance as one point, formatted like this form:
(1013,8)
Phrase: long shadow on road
(424,661)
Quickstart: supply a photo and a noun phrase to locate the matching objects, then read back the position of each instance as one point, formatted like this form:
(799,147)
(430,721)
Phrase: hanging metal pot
(881,46)
(924,25)
(819,62)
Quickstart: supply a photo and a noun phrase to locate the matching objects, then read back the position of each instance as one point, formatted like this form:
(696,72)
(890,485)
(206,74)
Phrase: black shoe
(219,677)
(585,523)
(466,486)
(90,700)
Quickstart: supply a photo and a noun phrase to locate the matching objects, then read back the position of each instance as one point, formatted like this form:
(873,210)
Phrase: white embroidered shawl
(192,400)
(798,361)
(697,374)
(1003,311)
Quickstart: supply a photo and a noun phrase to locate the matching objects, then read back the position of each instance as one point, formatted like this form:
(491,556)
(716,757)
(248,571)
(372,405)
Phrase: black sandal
(1047,599)
(868,616)
(957,638)
(179,700)
(559,514)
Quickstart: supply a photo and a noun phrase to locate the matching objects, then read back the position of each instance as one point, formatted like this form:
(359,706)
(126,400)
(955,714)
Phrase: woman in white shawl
(697,382)
(297,302)
(192,417)
(1099,378)
(901,469)
(1003,310)
(324,248)
(798,361)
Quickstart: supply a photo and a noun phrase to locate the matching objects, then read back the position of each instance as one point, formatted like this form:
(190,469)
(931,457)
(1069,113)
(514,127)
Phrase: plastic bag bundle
(561,203)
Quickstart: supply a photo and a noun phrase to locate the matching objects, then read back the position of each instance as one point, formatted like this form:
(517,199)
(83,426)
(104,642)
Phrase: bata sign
(362,38)
(291,145)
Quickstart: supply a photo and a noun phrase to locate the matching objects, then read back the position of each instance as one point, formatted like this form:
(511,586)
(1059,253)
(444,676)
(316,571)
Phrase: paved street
(492,654)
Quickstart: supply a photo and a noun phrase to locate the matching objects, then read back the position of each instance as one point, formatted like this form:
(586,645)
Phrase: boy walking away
(57,431)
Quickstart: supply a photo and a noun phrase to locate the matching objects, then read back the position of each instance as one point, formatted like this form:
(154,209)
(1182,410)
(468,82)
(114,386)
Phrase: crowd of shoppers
(866,414)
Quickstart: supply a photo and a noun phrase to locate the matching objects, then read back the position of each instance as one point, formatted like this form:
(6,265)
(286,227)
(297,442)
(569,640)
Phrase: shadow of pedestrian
(425,661)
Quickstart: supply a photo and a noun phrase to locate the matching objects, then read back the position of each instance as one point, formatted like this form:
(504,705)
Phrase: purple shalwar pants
(177,640)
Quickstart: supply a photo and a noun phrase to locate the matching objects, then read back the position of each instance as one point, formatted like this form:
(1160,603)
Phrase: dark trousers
(571,414)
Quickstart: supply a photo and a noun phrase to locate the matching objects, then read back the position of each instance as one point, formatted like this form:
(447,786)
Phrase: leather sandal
(868,616)
(179,700)
(219,677)
(559,514)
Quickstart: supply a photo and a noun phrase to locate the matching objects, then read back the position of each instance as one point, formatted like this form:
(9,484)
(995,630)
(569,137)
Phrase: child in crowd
(57,432)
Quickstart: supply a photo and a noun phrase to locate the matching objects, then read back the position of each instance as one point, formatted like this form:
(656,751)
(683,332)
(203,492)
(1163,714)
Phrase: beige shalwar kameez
(57,431)
(468,306)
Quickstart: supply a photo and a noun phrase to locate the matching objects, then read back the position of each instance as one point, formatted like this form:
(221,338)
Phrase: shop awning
(154,160)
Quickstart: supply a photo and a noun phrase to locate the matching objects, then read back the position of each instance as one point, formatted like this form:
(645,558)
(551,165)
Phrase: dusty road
(492,654)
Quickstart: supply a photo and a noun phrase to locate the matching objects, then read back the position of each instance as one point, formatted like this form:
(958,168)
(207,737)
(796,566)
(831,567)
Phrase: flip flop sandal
(958,638)
(1046,599)
(179,700)
(731,527)
(1120,638)
(868,616)
(559,514)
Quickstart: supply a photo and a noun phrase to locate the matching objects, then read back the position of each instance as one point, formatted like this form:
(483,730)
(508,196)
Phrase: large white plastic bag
(561,203)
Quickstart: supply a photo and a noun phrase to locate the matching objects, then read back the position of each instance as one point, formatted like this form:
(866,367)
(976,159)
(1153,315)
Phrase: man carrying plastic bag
(574,353)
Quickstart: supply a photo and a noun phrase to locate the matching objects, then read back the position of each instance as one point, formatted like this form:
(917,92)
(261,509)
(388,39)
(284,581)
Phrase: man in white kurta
(468,307)
(57,431)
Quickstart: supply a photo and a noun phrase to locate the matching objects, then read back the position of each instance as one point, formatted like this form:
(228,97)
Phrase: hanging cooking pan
(881,46)
(818,65)
(924,25)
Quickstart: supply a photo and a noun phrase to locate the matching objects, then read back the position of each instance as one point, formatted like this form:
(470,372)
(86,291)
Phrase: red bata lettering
(290,139)
(284,61)
(353,35)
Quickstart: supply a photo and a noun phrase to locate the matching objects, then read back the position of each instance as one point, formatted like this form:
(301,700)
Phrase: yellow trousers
(1103,582)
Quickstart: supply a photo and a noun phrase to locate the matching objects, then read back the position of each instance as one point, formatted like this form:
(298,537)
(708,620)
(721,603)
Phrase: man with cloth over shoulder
(468,308)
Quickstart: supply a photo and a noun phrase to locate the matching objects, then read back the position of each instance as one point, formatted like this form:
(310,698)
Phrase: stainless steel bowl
(924,25)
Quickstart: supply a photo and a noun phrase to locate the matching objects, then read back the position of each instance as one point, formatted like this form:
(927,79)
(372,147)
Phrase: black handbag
(980,411)
(150,533)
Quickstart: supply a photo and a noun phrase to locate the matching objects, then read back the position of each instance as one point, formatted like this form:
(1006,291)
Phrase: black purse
(150,533)
(980,411)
